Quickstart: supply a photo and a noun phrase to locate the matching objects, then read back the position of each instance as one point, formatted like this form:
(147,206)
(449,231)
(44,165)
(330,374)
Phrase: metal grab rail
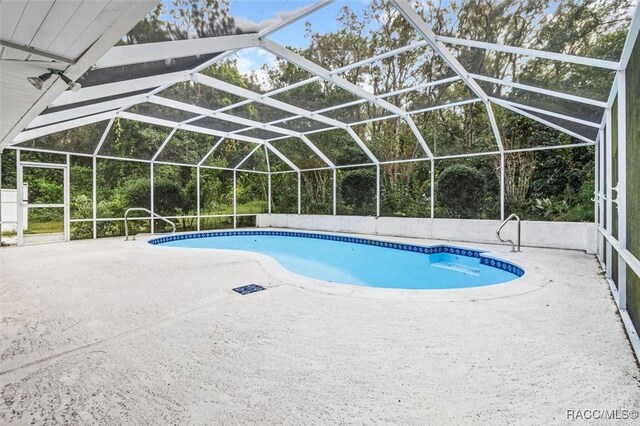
(153,215)
(513,245)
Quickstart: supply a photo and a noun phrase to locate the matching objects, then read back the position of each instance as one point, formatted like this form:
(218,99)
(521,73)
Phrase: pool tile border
(458,251)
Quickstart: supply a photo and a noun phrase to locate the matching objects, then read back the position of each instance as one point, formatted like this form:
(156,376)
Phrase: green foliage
(461,189)
(406,189)
(357,190)
(550,208)
(168,195)
(550,185)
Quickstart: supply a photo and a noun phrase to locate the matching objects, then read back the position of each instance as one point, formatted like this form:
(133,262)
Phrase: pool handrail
(153,215)
(507,220)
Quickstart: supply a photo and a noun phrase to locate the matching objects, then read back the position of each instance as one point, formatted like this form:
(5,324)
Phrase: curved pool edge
(484,258)
(534,279)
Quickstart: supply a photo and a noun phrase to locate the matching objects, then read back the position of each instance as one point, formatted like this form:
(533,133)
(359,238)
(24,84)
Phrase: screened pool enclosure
(334,107)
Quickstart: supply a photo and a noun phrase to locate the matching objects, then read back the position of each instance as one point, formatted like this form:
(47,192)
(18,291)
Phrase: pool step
(464,269)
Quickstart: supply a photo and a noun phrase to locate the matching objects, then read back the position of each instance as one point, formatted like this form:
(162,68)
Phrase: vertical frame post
(198,198)
(19,198)
(269,197)
(622,188)
(235,211)
(94,196)
(335,191)
(502,166)
(0,197)
(378,190)
(433,188)
(299,193)
(269,193)
(67,199)
(609,190)
(152,206)
(600,186)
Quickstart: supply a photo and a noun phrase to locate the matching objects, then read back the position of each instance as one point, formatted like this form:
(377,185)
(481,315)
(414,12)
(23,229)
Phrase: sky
(323,21)
(258,14)
(268,11)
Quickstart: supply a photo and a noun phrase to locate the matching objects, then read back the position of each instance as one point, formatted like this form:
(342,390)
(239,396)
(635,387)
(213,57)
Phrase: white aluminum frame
(123,55)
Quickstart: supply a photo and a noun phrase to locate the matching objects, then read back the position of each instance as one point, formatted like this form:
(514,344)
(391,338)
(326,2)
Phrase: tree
(461,189)
(358,190)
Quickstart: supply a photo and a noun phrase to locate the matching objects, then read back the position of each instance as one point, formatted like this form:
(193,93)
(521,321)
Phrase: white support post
(152,206)
(94,196)
(198,197)
(502,198)
(67,199)
(299,192)
(609,190)
(498,137)
(335,191)
(235,211)
(596,177)
(269,200)
(622,189)
(601,184)
(19,198)
(0,197)
(433,188)
(377,190)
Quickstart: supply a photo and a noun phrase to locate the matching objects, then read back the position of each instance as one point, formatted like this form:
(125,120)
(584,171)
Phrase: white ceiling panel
(79,29)
(31,21)
(56,21)
(10,13)
(76,31)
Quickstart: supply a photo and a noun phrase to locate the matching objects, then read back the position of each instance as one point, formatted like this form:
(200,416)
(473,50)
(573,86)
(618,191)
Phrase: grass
(44,227)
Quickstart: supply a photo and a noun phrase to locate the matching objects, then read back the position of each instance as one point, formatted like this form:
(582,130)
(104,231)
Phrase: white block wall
(9,210)
(564,235)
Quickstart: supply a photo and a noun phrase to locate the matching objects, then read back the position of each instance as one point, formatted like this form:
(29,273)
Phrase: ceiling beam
(239,120)
(39,52)
(562,57)
(120,87)
(541,91)
(415,20)
(164,50)
(542,120)
(547,112)
(81,111)
(293,17)
(245,93)
(189,127)
(316,69)
(59,127)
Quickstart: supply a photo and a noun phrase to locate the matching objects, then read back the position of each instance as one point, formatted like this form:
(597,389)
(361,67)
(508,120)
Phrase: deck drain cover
(248,289)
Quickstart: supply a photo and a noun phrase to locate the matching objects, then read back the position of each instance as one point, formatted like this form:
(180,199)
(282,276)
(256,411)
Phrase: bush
(461,189)
(358,190)
(168,195)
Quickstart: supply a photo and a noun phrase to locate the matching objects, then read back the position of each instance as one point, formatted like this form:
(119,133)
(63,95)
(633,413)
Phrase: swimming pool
(360,261)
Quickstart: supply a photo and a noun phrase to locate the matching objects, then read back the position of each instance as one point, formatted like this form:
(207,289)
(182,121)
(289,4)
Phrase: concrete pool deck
(113,332)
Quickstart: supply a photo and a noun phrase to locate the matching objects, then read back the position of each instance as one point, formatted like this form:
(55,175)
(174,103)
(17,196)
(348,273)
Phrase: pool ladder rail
(153,215)
(515,217)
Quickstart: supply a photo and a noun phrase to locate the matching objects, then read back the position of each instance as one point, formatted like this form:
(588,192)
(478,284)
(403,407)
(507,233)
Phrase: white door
(43,199)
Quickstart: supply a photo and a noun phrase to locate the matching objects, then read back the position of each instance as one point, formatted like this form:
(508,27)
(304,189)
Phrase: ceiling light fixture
(38,82)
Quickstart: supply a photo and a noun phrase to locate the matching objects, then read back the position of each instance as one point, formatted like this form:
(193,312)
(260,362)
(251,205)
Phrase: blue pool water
(360,261)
